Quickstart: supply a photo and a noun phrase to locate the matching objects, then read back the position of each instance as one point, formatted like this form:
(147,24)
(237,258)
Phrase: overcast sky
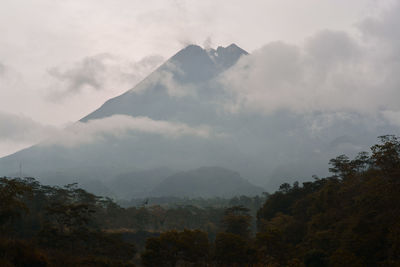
(60,60)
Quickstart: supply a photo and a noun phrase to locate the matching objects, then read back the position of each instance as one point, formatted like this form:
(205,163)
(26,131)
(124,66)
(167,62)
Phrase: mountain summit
(184,116)
(164,121)
(185,74)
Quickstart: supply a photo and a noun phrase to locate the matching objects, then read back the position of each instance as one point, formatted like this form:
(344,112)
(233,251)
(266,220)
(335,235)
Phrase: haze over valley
(278,113)
(171,133)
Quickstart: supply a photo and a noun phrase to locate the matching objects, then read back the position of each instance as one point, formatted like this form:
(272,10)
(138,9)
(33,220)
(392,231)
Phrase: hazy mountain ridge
(192,67)
(205,182)
(138,183)
(186,92)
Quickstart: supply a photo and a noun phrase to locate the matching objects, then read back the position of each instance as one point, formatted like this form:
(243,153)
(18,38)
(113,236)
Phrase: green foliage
(271,247)
(315,258)
(386,155)
(344,258)
(171,247)
(231,249)
(237,221)
(51,220)
(21,253)
(12,192)
(349,219)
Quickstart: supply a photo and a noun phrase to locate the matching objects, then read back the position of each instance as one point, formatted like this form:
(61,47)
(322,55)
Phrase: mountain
(205,182)
(183,75)
(182,117)
(179,91)
(138,183)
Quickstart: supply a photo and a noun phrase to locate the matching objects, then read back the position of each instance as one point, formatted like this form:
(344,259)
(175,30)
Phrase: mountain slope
(182,117)
(168,92)
(138,183)
(205,182)
(179,91)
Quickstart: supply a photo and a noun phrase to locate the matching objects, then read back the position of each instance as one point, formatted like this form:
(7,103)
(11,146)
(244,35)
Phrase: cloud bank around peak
(120,126)
(18,131)
(165,77)
(332,71)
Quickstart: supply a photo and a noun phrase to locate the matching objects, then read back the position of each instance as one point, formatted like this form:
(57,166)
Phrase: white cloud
(43,34)
(100,72)
(18,131)
(392,116)
(10,80)
(19,128)
(318,123)
(121,126)
(2,69)
(331,72)
(166,78)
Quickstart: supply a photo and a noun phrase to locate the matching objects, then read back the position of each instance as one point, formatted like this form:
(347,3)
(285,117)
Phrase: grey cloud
(11,81)
(392,116)
(120,126)
(147,62)
(328,48)
(384,28)
(86,75)
(166,77)
(208,43)
(100,72)
(331,72)
(23,131)
(90,72)
(2,69)
(18,128)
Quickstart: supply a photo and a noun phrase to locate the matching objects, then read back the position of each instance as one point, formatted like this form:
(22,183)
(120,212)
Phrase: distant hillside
(138,183)
(206,182)
(191,72)
(182,116)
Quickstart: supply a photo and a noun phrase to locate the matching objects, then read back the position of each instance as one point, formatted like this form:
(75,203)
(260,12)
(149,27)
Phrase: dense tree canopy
(349,219)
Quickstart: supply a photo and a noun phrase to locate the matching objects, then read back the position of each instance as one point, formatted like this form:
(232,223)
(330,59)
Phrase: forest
(351,218)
